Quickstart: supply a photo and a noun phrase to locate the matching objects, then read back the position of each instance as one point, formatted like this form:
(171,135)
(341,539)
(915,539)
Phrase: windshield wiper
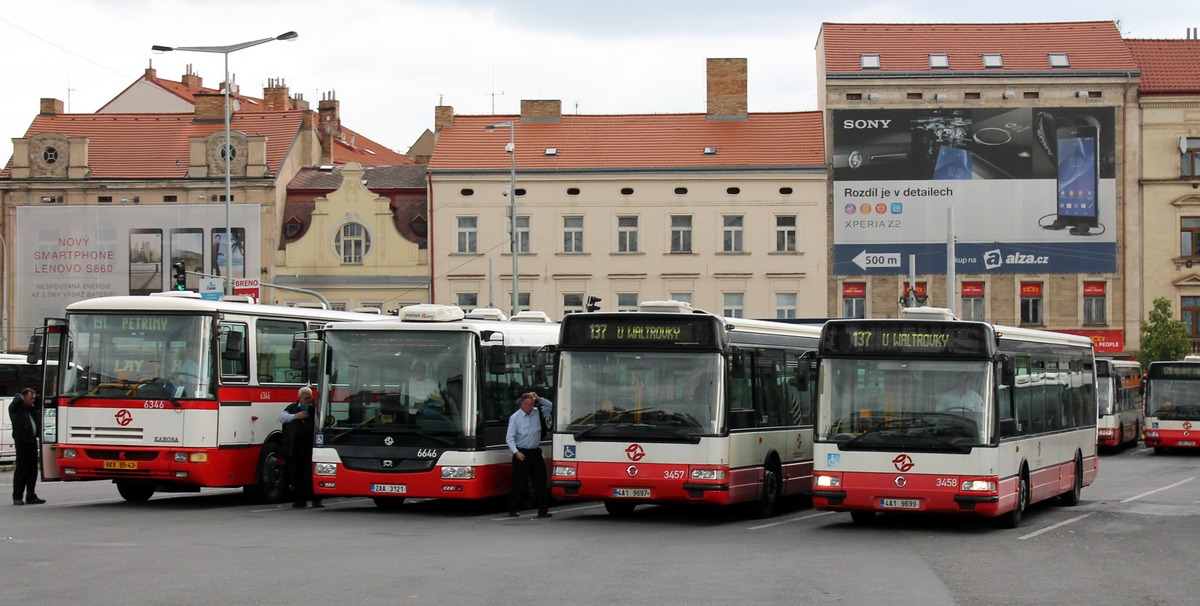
(615,416)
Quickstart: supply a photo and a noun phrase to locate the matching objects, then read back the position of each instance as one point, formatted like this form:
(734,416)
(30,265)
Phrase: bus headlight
(978,486)
(68,453)
(708,474)
(564,471)
(458,473)
(181,457)
(325,469)
(1148,434)
(828,481)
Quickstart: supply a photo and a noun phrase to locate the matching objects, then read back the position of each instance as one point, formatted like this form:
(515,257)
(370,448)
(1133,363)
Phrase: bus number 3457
(673,474)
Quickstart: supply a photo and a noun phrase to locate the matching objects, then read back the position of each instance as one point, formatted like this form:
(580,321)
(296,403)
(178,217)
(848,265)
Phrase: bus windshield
(398,382)
(1174,400)
(642,395)
(930,404)
(1104,394)
(138,355)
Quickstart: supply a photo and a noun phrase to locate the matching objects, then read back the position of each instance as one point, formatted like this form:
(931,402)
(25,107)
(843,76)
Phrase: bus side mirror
(804,367)
(497,358)
(235,346)
(298,356)
(1008,369)
(35,349)
(737,363)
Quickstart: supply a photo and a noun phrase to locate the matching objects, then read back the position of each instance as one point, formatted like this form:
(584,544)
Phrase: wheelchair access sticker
(832,459)
(568,451)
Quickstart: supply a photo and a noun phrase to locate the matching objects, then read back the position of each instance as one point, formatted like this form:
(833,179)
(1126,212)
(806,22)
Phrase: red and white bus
(1173,405)
(173,393)
(930,414)
(1119,401)
(418,407)
(670,405)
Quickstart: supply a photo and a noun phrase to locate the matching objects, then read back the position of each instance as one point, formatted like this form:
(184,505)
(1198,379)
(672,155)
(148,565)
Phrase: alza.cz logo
(994,259)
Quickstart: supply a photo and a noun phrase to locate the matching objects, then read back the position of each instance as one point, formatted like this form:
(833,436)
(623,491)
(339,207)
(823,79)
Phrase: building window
(352,243)
(627,301)
(572,303)
(681,233)
(1191,157)
(973,301)
(1189,237)
(854,300)
(870,61)
(733,304)
(170,199)
(785,304)
(785,233)
(522,300)
(627,232)
(1058,60)
(992,61)
(682,297)
(104,199)
(732,234)
(221,197)
(1031,303)
(468,300)
(572,234)
(1095,308)
(523,235)
(939,61)
(1189,312)
(467,234)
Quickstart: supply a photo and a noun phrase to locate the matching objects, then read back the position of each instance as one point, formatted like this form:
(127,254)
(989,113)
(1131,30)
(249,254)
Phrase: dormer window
(939,61)
(993,61)
(870,61)
(1059,60)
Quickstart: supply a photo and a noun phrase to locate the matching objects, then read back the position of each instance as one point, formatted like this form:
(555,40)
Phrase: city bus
(1172,405)
(926,413)
(418,407)
(1119,401)
(172,393)
(672,405)
(16,373)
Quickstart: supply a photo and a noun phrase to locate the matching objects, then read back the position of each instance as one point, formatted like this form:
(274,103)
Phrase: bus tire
(270,479)
(1071,497)
(135,491)
(1012,519)
(768,499)
(388,503)
(619,508)
(862,517)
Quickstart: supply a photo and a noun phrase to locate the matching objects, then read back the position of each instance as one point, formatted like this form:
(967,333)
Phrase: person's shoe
(299,505)
(18,502)
(513,514)
(546,515)
(34,501)
(317,504)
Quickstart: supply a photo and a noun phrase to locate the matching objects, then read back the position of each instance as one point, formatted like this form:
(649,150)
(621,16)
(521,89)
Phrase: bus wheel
(1071,497)
(769,499)
(134,491)
(1012,519)
(270,479)
(619,508)
(862,517)
(388,503)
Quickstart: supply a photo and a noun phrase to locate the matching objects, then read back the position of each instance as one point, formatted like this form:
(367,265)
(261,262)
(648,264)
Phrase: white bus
(1173,405)
(16,373)
(669,405)
(1119,401)
(173,393)
(418,407)
(930,414)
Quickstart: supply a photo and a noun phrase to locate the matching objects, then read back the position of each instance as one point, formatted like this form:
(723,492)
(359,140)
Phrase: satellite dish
(1183,144)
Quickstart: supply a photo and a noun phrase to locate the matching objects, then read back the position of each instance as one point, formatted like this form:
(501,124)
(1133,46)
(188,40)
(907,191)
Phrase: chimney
(150,74)
(275,96)
(443,115)
(541,110)
(50,107)
(190,79)
(329,128)
(210,107)
(726,89)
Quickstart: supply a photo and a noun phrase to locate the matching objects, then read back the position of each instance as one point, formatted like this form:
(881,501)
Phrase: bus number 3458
(947,482)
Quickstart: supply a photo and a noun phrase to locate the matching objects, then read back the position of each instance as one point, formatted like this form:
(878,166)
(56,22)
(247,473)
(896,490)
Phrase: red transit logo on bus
(635,452)
(124,417)
(903,462)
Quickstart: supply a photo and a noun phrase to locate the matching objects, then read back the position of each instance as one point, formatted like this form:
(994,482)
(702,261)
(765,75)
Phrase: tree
(1163,337)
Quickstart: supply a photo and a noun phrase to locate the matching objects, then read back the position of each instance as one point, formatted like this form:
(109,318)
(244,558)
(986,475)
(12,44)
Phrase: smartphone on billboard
(1078,178)
(187,245)
(145,261)
(953,163)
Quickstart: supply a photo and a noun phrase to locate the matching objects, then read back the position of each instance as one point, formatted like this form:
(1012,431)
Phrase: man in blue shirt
(524,439)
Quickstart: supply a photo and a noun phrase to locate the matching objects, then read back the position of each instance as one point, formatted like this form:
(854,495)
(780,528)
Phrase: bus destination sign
(928,338)
(634,330)
(1175,371)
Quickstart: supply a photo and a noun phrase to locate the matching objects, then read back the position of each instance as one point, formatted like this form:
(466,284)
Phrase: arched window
(352,242)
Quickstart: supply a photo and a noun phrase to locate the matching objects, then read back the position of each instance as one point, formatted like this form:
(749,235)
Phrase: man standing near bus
(524,439)
(22,414)
(298,430)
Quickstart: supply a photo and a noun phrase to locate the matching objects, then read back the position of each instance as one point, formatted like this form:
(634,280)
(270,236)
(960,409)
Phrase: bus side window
(741,395)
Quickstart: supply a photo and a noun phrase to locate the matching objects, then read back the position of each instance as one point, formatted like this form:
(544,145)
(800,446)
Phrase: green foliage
(1163,337)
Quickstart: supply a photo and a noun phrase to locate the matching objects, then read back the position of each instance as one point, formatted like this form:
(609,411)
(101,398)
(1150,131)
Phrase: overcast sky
(390,62)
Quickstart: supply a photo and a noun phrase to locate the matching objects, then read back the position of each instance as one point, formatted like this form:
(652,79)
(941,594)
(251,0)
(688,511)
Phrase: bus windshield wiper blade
(617,415)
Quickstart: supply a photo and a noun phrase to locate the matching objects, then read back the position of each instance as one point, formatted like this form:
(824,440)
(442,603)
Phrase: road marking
(1053,526)
(1146,494)
(807,517)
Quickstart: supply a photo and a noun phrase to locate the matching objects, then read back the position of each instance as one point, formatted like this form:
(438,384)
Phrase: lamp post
(227,151)
(512,209)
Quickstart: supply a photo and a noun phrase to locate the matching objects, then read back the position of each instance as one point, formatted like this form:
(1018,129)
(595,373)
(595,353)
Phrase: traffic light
(593,303)
(180,275)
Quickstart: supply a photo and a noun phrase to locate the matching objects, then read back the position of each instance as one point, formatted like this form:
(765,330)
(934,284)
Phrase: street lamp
(227,151)
(512,209)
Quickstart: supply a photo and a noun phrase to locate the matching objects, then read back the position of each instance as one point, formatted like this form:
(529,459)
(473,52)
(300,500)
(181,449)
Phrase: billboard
(1033,190)
(67,254)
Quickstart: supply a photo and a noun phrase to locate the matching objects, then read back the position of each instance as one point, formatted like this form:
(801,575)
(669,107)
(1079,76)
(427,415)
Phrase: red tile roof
(156,146)
(905,48)
(1168,66)
(365,151)
(188,93)
(635,141)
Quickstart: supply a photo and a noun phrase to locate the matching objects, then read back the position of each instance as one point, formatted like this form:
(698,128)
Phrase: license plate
(389,488)
(899,504)
(120,464)
(1187,442)
(631,493)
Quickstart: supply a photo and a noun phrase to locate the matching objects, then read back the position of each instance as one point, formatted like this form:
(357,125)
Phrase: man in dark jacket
(298,429)
(23,416)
